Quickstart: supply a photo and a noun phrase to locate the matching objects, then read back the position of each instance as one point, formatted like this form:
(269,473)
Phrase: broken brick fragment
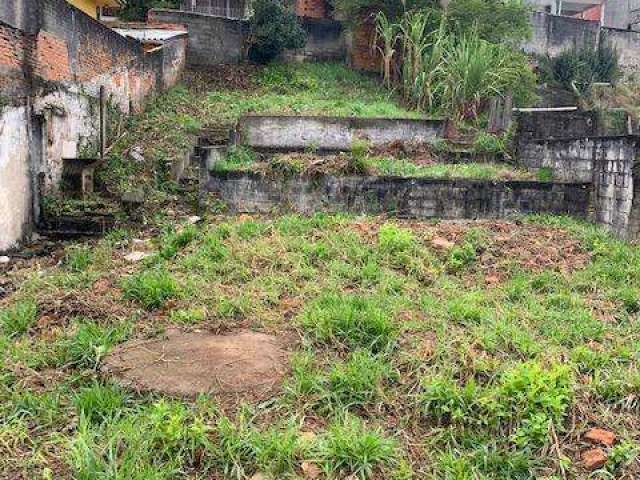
(594,459)
(599,436)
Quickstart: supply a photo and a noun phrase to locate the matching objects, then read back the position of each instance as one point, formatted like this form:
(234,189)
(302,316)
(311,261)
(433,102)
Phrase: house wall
(617,13)
(627,43)
(53,61)
(326,41)
(552,34)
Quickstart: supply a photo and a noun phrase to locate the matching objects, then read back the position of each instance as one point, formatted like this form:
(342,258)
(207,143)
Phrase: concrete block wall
(404,197)
(552,34)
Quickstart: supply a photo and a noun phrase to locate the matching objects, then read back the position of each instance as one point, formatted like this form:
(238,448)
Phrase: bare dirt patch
(244,364)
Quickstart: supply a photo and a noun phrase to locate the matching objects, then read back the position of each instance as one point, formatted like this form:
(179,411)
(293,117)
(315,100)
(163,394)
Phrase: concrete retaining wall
(326,41)
(406,197)
(606,162)
(285,133)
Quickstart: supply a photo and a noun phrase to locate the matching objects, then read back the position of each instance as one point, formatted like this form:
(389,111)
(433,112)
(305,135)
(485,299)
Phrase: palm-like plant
(386,33)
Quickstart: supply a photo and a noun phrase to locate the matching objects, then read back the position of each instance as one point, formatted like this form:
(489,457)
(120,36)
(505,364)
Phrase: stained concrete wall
(606,162)
(553,34)
(331,133)
(627,43)
(212,40)
(326,41)
(406,197)
(15,178)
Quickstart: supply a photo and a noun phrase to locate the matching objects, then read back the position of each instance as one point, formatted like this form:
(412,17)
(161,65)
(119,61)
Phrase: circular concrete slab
(188,364)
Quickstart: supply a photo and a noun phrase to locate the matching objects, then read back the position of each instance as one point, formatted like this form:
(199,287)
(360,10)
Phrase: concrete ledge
(404,197)
(290,133)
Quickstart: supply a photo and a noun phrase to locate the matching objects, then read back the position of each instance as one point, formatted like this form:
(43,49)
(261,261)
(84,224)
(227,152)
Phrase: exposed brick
(312,8)
(364,56)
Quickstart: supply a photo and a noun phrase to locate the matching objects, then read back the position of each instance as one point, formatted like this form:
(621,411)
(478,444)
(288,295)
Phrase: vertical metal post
(103,123)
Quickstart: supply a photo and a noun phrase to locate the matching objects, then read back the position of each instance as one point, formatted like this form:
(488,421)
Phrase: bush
(496,21)
(273,29)
(579,68)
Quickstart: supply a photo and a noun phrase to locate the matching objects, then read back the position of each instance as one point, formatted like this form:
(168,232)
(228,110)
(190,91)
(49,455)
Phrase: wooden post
(103,123)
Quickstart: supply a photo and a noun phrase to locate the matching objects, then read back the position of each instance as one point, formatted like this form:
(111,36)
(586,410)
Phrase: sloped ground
(450,350)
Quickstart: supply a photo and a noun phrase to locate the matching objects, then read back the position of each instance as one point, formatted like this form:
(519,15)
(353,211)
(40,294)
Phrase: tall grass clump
(351,321)
(150,288)
(17,319)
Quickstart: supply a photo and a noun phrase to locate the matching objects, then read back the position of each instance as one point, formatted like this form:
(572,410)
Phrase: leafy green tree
(496,21)
(273,29)
(136,10)
(353,10)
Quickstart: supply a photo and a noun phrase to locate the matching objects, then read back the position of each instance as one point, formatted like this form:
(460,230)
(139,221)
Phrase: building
(621,14)
(95,8)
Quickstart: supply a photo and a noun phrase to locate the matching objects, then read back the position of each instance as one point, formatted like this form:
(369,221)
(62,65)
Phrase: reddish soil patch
(245,364)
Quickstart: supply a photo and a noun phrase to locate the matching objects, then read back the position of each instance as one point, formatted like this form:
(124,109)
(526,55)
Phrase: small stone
(4,259)
(600,436)
(311,470)
(594,459)
(440,242)
(258,476)
(194,219)
(136,256)
(136,154)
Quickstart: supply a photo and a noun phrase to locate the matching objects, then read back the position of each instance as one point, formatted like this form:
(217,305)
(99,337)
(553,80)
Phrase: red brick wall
(52,58)
(15,48)
(312,8)
(593,14)
(362,55)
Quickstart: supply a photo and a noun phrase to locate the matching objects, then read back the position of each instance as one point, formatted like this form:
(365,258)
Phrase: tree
(136,10)
(273,29)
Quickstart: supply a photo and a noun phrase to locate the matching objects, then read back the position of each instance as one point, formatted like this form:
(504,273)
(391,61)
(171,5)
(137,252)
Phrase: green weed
(17,319)
(150,288)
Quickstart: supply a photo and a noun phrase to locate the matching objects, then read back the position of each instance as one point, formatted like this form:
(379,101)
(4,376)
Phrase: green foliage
(237,157)
(525,402)
(78,259)
(487,143)
(173,241)
(461,256)
(17,319)
(353,320)
(100,402)
(578,69)
(273,29)
(496,21)
(91,342)
(354,10)
(136,10)
(150,288)
(393,240)
(350,448)
(357,381)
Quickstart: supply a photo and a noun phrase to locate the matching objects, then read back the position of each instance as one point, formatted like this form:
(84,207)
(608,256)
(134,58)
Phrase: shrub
(349,448)
(579,68)
(273,29)
(151,288)
(353,320)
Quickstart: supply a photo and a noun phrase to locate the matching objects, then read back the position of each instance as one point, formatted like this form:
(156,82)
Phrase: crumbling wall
(552,34)
(15,178)
(627,43)
(326,41)
(53,61)
(405,197)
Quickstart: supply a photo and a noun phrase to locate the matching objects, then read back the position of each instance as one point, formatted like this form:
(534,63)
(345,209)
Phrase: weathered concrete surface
(553,34)
(53,61)
(326,41)
(607,162)
(539,125)
(212,40)
(627,43)
(406,197)
(15,180)
(331,133)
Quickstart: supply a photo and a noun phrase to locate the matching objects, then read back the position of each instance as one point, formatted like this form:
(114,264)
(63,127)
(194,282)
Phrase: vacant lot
(345,347)
(416,350)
